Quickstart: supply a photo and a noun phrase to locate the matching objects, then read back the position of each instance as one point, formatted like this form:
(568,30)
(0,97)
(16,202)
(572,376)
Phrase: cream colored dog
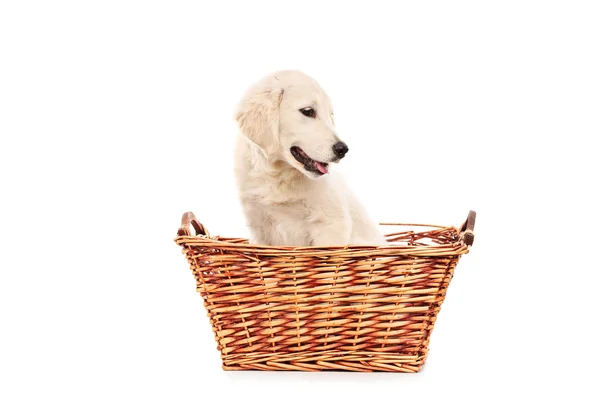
(282,164)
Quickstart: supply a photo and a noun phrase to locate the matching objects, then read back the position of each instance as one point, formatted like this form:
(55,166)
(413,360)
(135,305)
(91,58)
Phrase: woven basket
(351,308)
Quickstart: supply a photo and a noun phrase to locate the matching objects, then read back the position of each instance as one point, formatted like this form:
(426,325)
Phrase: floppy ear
(258,117)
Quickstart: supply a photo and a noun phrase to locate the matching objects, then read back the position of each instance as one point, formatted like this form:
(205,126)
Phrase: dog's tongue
(321,167)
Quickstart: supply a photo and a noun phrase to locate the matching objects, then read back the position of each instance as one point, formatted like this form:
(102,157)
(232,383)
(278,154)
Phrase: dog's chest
(297,216)
(292,211)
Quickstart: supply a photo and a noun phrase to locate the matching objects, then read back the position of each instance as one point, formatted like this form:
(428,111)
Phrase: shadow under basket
(353,308)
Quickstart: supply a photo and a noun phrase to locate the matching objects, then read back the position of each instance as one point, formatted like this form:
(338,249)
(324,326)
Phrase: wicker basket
(313,309)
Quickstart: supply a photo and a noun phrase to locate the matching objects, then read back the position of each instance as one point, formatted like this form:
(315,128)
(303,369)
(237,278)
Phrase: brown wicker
(337,308)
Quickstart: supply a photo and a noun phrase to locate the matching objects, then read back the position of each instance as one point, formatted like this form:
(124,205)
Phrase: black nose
(340,149)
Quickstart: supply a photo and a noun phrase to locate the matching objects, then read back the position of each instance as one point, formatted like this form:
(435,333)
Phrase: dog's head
(290,118)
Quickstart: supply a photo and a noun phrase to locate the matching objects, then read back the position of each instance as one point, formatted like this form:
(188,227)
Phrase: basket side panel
(338,312)
(195,256)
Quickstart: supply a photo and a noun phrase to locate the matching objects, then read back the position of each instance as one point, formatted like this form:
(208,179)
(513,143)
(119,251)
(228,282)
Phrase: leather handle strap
(466,231)
(189,220)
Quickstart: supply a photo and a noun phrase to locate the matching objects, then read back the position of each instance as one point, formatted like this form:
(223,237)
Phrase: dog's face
(290,117)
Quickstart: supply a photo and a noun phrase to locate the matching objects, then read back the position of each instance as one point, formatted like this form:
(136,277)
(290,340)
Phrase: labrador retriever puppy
(290,193)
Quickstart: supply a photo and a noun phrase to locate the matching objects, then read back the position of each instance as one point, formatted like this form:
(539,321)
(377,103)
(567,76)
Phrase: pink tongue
(321,167)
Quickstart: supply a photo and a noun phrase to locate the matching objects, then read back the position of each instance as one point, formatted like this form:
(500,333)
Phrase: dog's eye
(308,112)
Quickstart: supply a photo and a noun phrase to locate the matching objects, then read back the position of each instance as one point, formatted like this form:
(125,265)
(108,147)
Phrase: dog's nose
(340,149)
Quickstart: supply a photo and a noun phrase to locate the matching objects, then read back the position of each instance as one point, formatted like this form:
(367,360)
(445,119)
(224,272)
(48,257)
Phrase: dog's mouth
(310,165)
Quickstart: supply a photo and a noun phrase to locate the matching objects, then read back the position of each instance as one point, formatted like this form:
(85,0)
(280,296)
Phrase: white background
(116,117)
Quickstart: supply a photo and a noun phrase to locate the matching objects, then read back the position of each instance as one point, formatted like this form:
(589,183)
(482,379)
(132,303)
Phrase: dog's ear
(258,117)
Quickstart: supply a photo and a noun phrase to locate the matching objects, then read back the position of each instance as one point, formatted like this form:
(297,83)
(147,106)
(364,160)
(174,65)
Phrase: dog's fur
(286,204)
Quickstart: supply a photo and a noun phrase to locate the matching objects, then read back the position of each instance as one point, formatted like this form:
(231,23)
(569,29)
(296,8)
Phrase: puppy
(289,193)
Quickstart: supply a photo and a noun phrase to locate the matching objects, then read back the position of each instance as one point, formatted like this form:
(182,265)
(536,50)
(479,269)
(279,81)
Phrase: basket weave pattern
(314,309)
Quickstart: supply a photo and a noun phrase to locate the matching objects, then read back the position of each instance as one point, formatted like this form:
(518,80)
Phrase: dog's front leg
(331,234)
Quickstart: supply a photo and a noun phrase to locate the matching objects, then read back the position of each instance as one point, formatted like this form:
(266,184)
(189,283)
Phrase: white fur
(285,205)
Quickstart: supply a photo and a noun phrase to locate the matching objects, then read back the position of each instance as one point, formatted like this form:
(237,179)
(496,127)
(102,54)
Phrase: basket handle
(189,220)
(466,231)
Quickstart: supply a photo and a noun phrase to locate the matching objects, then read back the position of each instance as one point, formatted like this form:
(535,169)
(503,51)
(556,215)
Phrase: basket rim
(241,245)
(464,240)
(219,242)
